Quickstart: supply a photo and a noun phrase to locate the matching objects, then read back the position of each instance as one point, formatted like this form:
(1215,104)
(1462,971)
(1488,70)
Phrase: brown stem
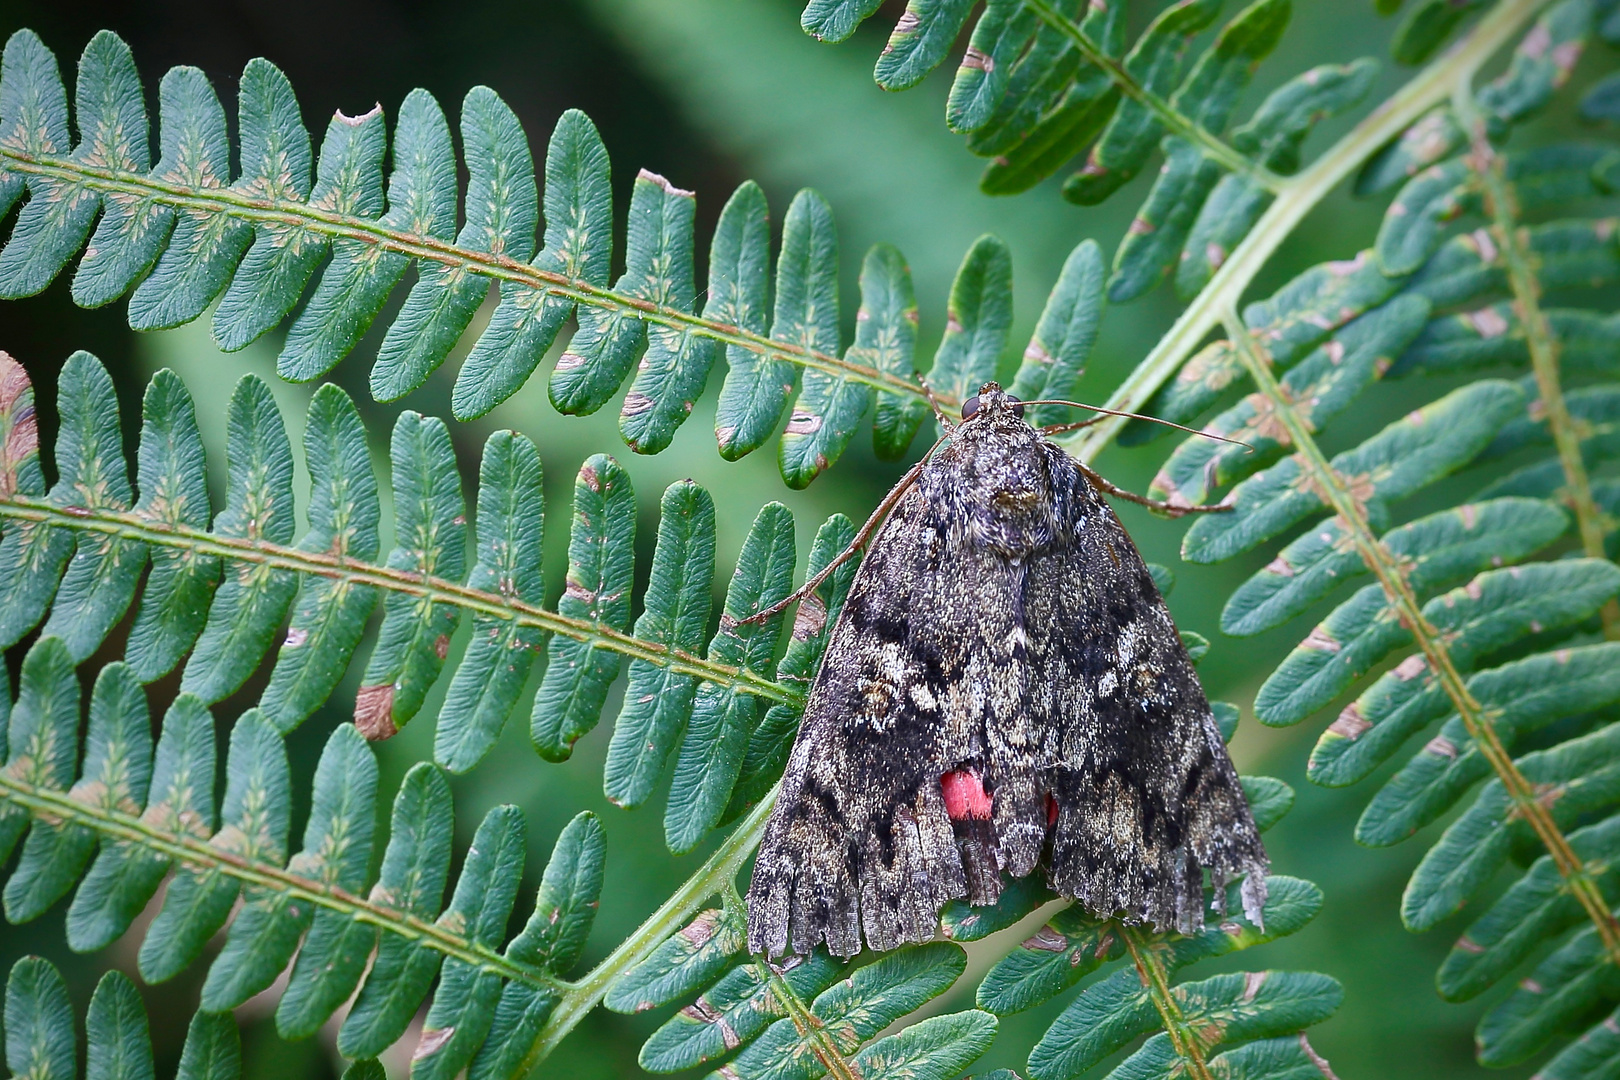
(1502,204)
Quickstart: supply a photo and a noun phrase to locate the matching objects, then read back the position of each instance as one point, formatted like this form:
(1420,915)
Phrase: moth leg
(848,553)
(1168,509)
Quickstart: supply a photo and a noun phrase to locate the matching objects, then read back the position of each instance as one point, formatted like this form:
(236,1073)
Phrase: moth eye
(1018,407)
(970,406)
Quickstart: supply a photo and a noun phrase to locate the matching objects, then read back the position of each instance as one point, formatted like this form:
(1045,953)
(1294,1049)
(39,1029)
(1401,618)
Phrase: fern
(41,1040)
(142,814)
(182,234)
(1512,662)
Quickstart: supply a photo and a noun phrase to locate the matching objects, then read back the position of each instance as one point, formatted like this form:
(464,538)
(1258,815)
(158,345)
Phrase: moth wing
(1145,794)
(861,838)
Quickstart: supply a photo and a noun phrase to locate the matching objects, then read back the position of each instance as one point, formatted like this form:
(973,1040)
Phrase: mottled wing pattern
(1145,793)
(860,839)
(1004,681)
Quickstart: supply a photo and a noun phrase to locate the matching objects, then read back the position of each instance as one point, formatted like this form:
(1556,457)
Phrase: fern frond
(41,1039)
(142,814)
(1510,661)
(221,594)
(183,234)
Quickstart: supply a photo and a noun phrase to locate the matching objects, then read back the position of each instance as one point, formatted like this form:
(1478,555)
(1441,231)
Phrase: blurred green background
(709,92)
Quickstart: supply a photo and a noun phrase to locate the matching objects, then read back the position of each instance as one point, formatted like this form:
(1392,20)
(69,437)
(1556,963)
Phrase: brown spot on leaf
(810,618)
(431,1041)
(1281,567)
(803,423)
(977,60)
(1350,724)
(374,711)
(669,188)
(1440,746)
(1046,939)
(702,928)
(441,646)
(1321,639)
(1487,322)
(1411,667)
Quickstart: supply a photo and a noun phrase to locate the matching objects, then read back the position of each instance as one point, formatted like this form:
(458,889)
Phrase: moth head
(989,401)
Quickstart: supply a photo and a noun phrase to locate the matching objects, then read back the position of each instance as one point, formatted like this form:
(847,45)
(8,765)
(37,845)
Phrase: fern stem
(809,1026)
(1213,146)
(805,1021)
(61,808)
(1182,1037)
(1502,204)
(333,225)
(130,525)
(1297,196)
(1386,567)
(713,877)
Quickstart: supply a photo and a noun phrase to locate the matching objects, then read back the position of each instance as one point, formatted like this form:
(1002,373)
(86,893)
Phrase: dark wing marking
(1146,794)
(860,839)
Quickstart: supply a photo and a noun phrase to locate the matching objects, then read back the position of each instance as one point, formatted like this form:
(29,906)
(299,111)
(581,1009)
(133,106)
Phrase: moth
(1003,690)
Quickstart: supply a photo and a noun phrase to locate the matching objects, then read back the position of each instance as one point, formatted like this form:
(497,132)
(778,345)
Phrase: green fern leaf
(710,756)
(463,1007)
(329,614)
(251,601)
(1057,353)
(91,474)
(174,493)
(179,800)
(658,699)
(579,232)
(485,687)
(430,531)
(805,313)
(1534,909)
(1156,62)
(275,163)
(1407,455)
(601,552)
(40,1039)
(414,871)
(348,181)
(853,1011)
(931,1049)
(733,1011)
(978,318)
(502,205)
(116,772)
(682,964)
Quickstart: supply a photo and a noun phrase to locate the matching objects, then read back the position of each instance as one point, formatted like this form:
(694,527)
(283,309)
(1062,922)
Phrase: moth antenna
(1133,416)
(865,534)
(1059,429)
(1170,509)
